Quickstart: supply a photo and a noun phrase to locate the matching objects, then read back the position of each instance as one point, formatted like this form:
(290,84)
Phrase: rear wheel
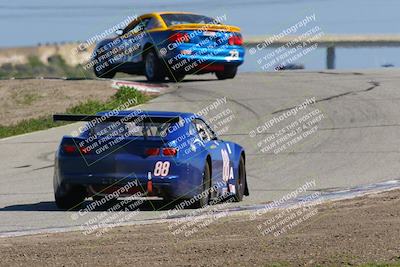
(205,196)
(72,197)
(103,72)
(153,67)
(229,72)
(241,181)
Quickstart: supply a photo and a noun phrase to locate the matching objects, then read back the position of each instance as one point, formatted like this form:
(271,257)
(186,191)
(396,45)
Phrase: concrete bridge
(330,42)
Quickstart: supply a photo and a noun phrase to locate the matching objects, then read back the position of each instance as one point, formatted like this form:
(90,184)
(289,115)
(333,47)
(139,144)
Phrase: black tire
(168,202)
(203,201)
(97,198)
(175,77)
(104,73)
(153,67)
(229,72)
(72,198)
(240,185)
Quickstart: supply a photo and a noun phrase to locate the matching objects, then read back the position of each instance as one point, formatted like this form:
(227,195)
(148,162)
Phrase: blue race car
(171,155)
(171,44)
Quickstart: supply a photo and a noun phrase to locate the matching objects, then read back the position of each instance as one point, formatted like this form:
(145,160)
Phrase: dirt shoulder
(25,99)
(348,232)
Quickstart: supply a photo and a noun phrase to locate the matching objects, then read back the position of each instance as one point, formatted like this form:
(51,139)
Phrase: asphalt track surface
(356,141)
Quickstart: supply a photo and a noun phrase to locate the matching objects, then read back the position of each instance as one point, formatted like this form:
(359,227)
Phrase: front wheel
(153,67)
(229,72)
(240,185)
(103,72)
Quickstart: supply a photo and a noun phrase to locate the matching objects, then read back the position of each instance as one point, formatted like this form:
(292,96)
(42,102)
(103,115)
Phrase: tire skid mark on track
(234,101)
(325,129)
(374,85)
(44,167)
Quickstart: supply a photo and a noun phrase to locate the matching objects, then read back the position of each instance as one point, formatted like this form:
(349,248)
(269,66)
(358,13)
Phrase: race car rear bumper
(170,186)
(188,60)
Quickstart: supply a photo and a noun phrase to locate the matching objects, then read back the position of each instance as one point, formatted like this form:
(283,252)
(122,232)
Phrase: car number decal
(234,54)
(161,168)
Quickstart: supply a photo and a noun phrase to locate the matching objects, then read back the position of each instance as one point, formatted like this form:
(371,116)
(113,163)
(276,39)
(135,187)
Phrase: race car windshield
(176,19)
(128,129)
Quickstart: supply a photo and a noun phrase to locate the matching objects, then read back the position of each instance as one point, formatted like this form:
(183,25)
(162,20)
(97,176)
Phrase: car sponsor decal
(225,165)
(208,33)
(232,187)
(229,148)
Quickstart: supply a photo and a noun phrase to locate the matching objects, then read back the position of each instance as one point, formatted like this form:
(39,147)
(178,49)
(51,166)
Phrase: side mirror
(119,32)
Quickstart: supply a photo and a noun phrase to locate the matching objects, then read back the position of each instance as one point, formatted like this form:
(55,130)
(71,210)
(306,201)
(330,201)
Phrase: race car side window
(192,129)
(140,26)
(152,24)
(212,134)
(137,27)
(202,130)
(130,26)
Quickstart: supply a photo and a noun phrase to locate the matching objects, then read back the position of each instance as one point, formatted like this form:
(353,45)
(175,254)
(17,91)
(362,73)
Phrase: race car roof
(167,12)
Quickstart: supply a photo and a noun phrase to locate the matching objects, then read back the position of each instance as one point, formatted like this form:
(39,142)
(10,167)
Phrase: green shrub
(122,96)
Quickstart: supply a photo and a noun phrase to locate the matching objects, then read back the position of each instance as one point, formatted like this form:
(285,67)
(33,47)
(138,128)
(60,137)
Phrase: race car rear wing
(123,118)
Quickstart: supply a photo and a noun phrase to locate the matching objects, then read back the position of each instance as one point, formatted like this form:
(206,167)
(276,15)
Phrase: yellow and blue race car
(171,44)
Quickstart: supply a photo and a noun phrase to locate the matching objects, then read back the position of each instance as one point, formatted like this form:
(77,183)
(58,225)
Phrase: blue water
(27,22)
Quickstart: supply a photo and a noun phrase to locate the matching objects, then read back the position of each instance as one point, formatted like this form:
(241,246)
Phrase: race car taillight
(179,38)
(170,151)
(235,40)
(152,151)
(70,149)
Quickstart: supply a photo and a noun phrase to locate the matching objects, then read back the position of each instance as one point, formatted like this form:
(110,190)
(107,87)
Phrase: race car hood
(210,27)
